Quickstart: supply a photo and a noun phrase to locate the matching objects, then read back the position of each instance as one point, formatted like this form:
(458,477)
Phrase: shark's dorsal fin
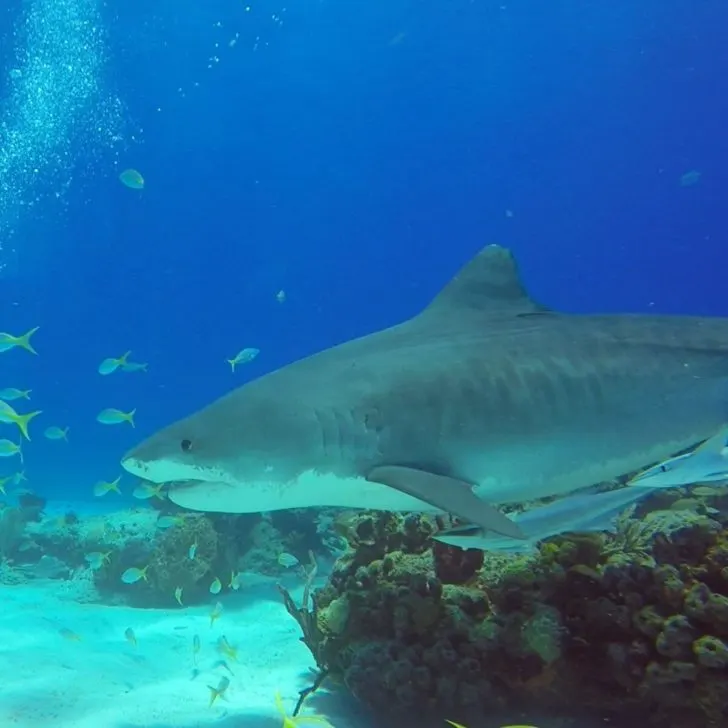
(490,284)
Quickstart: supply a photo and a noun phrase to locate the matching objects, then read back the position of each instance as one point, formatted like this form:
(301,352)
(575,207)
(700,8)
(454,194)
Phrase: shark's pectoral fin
(451,495)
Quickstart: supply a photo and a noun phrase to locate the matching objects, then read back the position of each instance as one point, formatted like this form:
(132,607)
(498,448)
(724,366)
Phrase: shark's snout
(135,466)
(155,469)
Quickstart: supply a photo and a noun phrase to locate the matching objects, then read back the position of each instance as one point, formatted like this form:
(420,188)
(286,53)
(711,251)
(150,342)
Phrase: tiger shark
(485,397)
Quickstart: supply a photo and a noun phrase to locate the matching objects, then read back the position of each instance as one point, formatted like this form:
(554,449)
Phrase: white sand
(102,681)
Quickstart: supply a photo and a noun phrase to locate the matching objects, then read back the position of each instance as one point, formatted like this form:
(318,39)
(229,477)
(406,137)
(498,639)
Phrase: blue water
(353,155)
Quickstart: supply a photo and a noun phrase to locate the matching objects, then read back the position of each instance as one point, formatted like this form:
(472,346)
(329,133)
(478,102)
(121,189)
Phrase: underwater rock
(12,527)
(530,630)
(172,567)
(676,638)
(454,565)
(32,504)
(333,618)
(711,652)
(702,605)
(266,544)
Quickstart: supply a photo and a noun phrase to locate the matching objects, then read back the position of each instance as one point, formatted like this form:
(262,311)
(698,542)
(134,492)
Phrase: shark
(482,398)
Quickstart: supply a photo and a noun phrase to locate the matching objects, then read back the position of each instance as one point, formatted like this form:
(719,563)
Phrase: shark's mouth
(202,495)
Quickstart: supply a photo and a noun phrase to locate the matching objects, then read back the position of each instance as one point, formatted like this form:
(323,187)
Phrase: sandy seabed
(69,665)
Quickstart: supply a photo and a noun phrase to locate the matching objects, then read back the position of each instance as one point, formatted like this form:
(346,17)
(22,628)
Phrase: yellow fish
(13,393)
(111,364)
(56,433)
(102,488)
(8,414)
(133,575)
(235,582)
(169,521)
(216,613)
(225,648)
(69,634)
(145,491)
(96,559)
(178,595)
(134,366)
(130,636)
(216,586)
(219,691)
(9,448)
(113,416)
(243,357)
(8,341)
(132,179)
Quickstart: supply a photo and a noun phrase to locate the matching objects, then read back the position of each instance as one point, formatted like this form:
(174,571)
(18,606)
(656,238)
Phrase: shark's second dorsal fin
(489,283)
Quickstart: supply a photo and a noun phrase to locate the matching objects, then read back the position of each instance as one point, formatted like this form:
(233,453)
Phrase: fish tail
(122,359)
(231,362)
(130,417)
(26,394)
(214,695)
(24,341)
(22,422)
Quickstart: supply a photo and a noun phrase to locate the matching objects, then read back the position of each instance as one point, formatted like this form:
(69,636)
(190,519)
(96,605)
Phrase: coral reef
(182,555)
(636,622)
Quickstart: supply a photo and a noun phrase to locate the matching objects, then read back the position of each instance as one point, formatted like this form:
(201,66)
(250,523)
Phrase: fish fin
(22,422)
(468,529)
(450,494)
(488,284)
(24,341)
(716,444)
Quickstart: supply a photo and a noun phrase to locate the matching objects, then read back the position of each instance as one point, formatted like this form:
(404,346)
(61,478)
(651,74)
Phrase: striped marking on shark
(483,398)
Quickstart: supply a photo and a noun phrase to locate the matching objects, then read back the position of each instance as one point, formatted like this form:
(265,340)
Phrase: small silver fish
(132,366)
(12,393)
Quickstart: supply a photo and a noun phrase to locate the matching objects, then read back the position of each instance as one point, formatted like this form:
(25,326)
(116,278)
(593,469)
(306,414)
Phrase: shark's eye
(186,445)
